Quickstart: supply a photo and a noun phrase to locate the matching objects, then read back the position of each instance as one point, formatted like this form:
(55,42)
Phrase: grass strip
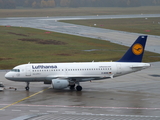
(22,45)
(149,26)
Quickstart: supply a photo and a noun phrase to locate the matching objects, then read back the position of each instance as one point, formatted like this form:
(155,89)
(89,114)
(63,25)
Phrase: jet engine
(60,83)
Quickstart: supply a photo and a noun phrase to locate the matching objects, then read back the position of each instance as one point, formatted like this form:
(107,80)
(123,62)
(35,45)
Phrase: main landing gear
(78,87)
(72,87)
(27,87)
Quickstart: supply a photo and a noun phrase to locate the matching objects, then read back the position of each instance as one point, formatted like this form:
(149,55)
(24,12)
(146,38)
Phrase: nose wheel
(27,87)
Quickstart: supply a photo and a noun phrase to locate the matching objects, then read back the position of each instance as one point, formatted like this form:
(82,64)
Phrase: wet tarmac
(134,96)
(53,24)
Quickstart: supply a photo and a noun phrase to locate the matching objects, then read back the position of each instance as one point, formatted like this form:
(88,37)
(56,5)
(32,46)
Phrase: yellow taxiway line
(24,99)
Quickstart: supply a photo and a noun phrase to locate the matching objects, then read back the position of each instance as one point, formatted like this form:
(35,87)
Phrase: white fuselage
(80,71)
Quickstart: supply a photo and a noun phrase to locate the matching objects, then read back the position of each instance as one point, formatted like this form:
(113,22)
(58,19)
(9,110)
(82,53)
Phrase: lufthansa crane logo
(137,49)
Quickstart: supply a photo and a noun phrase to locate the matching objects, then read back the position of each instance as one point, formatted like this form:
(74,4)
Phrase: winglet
(135,52)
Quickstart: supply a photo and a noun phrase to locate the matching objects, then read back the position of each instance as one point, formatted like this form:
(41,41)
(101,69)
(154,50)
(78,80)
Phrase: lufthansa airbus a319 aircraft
(63,75)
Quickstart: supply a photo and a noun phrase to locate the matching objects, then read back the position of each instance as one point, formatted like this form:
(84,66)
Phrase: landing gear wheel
(78,88)
(27,88)
(72,87)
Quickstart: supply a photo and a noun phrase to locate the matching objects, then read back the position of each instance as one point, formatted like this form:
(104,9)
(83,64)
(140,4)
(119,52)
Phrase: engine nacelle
(60,83)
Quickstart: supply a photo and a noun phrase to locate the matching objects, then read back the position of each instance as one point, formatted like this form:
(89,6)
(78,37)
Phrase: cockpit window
(15,70)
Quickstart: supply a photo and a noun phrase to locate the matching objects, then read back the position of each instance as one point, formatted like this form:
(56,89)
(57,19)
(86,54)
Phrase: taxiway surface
(134,96)
(53,24)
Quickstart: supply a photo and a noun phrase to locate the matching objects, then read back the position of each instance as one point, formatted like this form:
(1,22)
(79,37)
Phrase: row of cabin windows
(73,69)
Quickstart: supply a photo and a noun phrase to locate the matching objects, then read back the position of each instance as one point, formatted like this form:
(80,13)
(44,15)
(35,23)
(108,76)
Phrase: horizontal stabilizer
(145,65)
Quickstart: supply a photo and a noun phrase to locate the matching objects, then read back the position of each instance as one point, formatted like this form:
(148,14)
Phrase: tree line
(12,4)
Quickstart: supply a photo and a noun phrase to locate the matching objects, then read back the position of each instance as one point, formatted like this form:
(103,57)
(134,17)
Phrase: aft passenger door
(119,69)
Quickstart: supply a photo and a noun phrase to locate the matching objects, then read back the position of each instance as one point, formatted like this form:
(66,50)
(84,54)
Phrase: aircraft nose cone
(7,76)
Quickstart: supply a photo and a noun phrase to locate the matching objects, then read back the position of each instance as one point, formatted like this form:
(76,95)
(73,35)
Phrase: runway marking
(16,110)
(34,110)
(86,113)
(113,115)
(70,111)
(95,107)
(24,99)
(52,111)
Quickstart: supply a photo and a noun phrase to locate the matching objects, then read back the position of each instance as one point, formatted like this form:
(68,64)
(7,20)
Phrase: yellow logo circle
(137,49)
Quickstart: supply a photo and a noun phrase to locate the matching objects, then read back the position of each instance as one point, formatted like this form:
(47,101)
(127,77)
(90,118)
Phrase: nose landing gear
(27,87)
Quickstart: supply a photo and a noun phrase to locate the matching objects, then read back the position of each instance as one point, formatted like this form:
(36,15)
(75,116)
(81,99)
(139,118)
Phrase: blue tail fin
(135,52)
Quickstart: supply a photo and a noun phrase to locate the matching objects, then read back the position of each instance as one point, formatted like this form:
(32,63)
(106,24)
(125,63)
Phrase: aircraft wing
(80,78)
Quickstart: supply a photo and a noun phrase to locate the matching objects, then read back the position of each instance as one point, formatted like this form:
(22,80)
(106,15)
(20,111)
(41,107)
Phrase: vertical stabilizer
(135,52)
